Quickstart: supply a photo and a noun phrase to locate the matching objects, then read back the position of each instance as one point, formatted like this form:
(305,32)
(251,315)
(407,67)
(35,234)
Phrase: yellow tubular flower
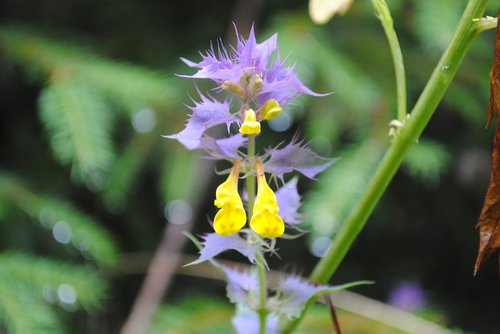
(270,109)
(250,126)
(265,219)
(231,216)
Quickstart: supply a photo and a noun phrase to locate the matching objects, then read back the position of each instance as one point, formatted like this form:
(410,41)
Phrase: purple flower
(281,83)
(206,114)
(407,296)
(214,244)
(288,199)
(223,148)
(242,287)
(246,321)
(294,293)
(296,156)
(247,69)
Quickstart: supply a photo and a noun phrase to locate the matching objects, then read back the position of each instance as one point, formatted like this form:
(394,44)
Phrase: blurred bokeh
(89,189)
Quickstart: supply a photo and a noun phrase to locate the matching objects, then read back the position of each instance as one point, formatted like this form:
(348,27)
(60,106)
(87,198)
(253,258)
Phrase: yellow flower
(250,126)
(265,219)
(231,217)
(270,109)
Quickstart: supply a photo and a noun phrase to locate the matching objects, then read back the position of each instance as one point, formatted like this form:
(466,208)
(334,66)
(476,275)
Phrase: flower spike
(231,217)
(265,220)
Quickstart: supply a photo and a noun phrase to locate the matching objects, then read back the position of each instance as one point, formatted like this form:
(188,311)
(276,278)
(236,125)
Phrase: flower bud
(233,88)
(270,109)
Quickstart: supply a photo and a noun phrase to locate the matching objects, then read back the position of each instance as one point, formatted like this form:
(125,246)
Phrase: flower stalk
(384,15)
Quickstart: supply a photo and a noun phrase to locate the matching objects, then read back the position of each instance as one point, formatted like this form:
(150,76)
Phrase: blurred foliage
(83,91)
(29,286)
(85,234)
(82,151)
(364,99)
(203,314)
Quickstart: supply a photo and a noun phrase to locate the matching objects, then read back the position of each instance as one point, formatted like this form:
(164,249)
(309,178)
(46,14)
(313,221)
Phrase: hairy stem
(421,114)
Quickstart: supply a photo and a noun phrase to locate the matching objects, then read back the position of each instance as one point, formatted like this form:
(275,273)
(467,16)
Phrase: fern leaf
(23,312)
(78,124)
(84,233)
(130,86)
(45,274)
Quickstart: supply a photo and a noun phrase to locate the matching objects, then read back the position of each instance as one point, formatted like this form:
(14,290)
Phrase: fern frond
(24,312)
(78,123)
(42,273)
(85,233)
(131,86)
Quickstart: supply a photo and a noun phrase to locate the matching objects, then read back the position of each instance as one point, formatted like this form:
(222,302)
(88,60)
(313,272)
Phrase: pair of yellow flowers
(232,217)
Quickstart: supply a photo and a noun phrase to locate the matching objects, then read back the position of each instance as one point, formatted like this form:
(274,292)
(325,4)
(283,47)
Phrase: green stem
(251,178)
(261,267)
(263,292)
(384,15)
(421,114)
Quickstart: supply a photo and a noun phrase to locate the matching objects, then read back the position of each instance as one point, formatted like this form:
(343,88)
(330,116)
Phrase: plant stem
(261,267)
(263,292)
(421,114)
(385,17)
(251,178)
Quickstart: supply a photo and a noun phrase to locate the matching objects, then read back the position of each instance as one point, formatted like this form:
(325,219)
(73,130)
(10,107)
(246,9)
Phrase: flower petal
(206,114)
(223,148)
(294,293)
(246,321)
(289,202)
(242,286)
(214,244)
(296,156)
(281,83)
